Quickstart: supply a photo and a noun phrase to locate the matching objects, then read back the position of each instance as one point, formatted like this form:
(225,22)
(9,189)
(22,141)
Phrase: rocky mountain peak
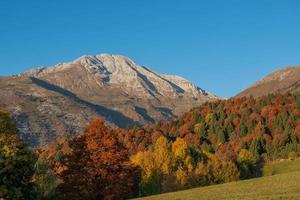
(120,71)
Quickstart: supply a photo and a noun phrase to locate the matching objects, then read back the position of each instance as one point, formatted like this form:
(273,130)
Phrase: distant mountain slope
(281,81)
(51,102)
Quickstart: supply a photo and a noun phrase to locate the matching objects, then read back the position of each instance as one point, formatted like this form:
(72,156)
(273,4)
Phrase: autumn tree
(99,166)
(76,177)
(219,171)
(111,168)
(155,163)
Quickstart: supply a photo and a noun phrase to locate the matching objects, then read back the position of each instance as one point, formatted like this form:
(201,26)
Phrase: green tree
(246,164)
(16,163)
(298,101)
(46,181)
(221,136)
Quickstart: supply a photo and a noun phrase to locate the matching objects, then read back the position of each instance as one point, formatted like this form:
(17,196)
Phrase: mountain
(52,102)
(281,81)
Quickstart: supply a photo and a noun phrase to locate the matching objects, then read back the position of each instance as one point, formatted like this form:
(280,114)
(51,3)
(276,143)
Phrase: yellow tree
(220,171)
(179,149)
(182,161)
(154,164)
(162,156)
(197,128)
(146,162)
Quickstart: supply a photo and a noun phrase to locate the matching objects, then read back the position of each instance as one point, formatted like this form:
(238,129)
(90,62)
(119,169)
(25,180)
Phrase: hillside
(215,143)
(281,81)
(283,185)
(53,102)
(218,142)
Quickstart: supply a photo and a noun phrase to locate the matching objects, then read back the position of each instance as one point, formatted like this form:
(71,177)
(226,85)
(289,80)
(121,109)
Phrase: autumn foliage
(218,142)
(214,143)
(98,166)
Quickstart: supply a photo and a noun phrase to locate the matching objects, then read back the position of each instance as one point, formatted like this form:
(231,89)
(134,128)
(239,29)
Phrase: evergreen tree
(221,136)
(46,181)
(16,163)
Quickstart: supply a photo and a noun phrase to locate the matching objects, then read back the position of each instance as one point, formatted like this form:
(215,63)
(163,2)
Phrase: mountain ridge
(52,102)
(279,81)
(97,65)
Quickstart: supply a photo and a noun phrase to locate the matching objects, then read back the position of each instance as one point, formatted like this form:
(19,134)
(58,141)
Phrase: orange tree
(98,166)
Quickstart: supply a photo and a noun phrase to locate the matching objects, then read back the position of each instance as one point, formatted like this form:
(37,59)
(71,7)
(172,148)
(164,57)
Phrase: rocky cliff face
(52,102)
(281,81)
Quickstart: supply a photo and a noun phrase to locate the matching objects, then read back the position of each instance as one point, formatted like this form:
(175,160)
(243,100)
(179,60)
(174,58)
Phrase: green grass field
(281,181)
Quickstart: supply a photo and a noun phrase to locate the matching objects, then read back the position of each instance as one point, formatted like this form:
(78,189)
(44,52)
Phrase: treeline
(222,141)
(215,143)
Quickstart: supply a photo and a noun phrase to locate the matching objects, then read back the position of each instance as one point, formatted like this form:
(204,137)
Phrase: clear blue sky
(222,46)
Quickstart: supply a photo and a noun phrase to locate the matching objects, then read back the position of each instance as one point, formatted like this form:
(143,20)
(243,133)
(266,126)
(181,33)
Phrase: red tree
(103,163)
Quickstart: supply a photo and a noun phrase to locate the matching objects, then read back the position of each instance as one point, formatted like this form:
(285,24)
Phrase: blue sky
(222,46)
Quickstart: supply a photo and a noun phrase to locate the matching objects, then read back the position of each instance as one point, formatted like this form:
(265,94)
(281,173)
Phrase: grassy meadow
(281,181)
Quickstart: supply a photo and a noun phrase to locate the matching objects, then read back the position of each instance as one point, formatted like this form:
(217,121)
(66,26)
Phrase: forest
(217,142)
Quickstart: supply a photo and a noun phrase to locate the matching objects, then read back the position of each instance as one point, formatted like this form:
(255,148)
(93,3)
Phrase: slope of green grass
(284,185)
(280,167)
